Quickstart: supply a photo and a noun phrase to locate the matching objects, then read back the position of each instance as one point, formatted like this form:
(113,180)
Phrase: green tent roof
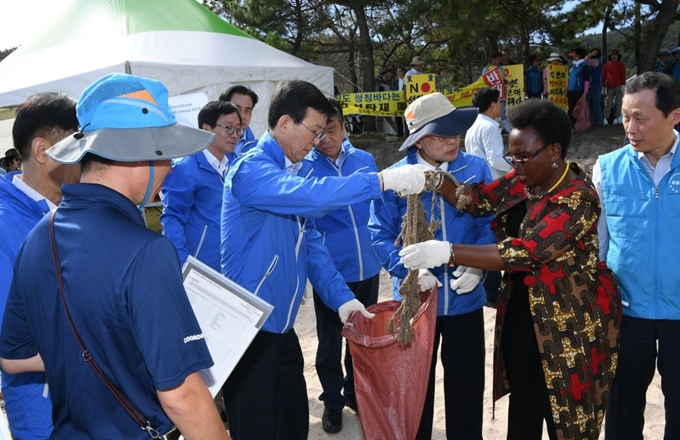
(110,18)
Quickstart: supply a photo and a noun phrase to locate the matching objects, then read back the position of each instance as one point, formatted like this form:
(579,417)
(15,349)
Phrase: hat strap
(148,187)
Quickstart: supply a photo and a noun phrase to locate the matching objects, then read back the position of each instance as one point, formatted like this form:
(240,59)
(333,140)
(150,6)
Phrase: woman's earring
(554,165)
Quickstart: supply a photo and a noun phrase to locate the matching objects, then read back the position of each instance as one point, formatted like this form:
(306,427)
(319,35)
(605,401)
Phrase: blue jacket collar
(9,191)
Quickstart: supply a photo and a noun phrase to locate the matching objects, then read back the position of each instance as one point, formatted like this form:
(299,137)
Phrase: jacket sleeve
(321,271)
(482,224)
(264,186)
(385,226)
(178,198)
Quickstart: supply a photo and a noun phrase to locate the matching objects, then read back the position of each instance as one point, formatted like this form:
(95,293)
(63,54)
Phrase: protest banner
(514,84)
(557,85)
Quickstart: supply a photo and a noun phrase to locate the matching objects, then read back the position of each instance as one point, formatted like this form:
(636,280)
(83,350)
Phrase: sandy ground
(585,149)
(494,429)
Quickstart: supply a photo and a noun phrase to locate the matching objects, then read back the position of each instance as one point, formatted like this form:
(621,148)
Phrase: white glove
(467,279)
(407,179)
(350,306)
(427,281)
(426,255)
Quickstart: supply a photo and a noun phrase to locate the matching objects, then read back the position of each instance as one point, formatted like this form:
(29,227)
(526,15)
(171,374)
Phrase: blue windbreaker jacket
(345,231)
(269,242)
(192,201)
(457,227)
(29,409)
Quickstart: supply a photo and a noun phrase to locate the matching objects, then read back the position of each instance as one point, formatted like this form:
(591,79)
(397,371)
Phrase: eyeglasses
(231,130)
(440,139)
(318,135)
(520,162)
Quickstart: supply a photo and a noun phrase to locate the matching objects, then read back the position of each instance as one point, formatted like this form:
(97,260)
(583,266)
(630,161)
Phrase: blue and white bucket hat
(126,118)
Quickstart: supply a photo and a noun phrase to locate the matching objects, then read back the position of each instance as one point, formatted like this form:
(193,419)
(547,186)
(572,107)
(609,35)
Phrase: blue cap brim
(453,124)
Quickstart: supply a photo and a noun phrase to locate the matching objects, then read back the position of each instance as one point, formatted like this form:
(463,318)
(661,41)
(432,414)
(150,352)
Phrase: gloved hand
(466,279)
(586,87)
(350,306)
(407,179)
(427,281)
(426,255)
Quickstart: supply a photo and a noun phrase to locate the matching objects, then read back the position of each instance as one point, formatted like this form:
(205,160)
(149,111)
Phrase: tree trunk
(366,51)
(659,26)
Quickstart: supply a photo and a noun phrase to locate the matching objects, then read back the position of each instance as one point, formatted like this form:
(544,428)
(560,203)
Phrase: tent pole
(128,69)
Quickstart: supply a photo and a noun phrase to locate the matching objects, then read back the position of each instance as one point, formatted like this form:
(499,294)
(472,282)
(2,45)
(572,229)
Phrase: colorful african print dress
(574,299)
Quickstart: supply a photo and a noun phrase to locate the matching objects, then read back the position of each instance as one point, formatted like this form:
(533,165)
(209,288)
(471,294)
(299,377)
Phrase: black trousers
(529,402)
(638,355)
(266,394)
(462,354)
(329,350)
(400,125)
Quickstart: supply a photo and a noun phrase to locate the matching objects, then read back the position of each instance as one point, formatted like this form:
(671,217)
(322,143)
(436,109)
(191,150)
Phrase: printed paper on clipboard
(229,315)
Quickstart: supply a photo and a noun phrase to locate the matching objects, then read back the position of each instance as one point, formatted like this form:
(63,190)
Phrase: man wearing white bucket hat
(94,288)
(435,126)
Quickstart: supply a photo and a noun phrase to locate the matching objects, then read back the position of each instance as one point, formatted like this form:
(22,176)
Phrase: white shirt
(484,139)
(442,166)
(656,173)
(292,168)
(220,166)
(400,84)
(412,71)
(30,192)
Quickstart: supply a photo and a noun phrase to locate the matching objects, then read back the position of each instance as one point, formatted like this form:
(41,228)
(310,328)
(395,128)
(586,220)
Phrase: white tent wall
(186,60)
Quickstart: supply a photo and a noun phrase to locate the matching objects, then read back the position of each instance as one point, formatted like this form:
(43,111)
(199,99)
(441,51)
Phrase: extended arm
(192,409)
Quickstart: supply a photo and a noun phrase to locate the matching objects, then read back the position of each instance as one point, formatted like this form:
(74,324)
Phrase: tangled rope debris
(414,229)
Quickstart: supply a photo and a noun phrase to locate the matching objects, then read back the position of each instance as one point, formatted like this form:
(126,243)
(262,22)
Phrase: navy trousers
(266,394)
(462,338)
(638,355)
(329,350)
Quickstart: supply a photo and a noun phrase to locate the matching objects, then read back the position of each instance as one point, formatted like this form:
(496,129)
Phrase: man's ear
(39,146)
(675,114)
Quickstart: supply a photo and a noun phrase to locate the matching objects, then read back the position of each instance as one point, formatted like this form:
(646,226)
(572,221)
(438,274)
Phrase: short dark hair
(599,52)
(581,52)
(238,90)
(293,98)
(337,114)
(48,115)
(484,97)
(665,87)
(550,123)
(496,55)
(212,111)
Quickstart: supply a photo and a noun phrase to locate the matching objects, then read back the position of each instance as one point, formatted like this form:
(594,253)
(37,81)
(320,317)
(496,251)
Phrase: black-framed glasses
(520,162)
(318,135)
(231,130)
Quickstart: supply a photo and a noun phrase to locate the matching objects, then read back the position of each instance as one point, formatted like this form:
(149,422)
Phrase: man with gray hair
(97,300)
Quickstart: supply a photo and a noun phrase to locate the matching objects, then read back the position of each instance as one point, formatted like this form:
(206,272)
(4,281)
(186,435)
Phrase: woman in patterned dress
(557,325)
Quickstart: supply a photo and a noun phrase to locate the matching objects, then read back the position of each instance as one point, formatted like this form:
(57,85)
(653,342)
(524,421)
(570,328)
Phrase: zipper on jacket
(301,234)
(272,265)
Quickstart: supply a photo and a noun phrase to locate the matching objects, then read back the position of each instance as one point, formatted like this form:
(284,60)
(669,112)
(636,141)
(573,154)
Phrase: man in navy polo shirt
(122,282)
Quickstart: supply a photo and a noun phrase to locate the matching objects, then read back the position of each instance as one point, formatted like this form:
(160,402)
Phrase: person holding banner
(416,66)
(557,326)
(555,58)
(434,142)
(270,246)
(496,58)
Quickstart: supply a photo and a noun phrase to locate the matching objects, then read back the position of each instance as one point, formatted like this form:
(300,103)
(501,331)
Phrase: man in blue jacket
(42,121)
(270,246)
(435,127)
(245,100)
(639,186)
(192,193)
(346,236)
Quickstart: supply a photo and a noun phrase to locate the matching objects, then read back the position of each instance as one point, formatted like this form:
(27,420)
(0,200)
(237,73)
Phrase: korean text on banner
(557,85)
(514,84)
(373,103)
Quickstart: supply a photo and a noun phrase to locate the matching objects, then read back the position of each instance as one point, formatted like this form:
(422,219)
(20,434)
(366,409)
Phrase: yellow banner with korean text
(557,85)
(394,103)
(514,84)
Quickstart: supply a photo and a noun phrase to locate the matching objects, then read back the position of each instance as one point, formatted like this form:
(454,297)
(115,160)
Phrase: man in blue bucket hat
(122,283)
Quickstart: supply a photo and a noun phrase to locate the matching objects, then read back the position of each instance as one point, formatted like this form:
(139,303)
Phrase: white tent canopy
(178,42)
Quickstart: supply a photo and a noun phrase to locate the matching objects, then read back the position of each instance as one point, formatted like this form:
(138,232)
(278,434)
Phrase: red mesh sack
(582,115)
(390,380)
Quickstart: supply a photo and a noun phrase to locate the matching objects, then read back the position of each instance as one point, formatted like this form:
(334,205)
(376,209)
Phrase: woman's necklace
(534,197)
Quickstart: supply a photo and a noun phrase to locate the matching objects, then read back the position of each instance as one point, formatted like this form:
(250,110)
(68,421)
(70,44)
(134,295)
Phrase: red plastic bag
(390,380)
(581,114)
